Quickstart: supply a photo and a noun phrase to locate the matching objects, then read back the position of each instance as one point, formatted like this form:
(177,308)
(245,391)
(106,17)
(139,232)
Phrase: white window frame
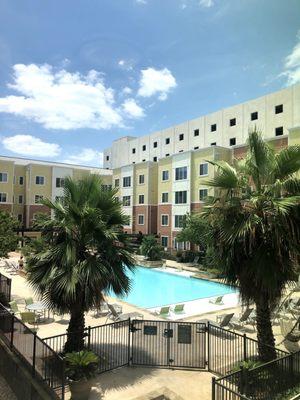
(164,237)
(185,169)
(60,179)
(200,169)
(124,178)
(178,215)
(40,195)
(129,205)
(20,220)
(162,175)
(22,197)
(161,219)
(6,173)
(40,176)
(143,199)
(21,184)
(181,191)
(1,201)
(141,215)
(164,202)
(202,201)
(142,183)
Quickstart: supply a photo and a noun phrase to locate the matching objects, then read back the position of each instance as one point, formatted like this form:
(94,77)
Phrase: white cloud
(292,64)
(28,145)
(127,90)
(132,109)
(206,3)
(141,1)
(86,156)
(60,99)
(126,64)
(155,81)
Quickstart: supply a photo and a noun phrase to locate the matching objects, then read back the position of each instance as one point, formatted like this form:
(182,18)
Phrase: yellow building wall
(7,187)
(153,184)
(45,190)
(141,188)
(164,164)
(294,137)
(197,181)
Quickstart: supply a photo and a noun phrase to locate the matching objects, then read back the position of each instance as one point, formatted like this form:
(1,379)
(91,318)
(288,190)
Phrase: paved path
(5,391)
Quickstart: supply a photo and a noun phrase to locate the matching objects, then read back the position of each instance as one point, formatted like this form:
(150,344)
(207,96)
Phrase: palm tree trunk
(265,336)
(75,331)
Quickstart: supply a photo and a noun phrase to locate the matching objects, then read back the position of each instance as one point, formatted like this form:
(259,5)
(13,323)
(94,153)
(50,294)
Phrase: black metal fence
(43,362)
(5,287)
(272,380)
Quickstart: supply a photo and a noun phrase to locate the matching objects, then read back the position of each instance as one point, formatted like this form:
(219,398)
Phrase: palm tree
(256,220)
(87,253)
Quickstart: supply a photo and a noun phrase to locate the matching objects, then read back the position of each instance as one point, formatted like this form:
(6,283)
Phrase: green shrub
(151,249)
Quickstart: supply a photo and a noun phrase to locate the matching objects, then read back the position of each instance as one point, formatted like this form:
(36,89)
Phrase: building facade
(161,177)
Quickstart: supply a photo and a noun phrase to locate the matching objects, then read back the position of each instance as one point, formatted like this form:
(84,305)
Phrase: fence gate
(168,344)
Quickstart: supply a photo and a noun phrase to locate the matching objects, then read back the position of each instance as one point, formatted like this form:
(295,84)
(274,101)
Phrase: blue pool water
(152,288)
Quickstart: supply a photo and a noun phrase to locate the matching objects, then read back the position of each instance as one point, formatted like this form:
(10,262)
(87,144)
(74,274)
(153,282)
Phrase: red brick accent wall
(34,209)
(6,207)
(196,207)
(141,209)
(277,144)
(165,230)
(153,219)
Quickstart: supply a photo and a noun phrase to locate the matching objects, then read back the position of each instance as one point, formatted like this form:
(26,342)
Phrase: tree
(87,253)
(151,249)
(8,237)
(255,214)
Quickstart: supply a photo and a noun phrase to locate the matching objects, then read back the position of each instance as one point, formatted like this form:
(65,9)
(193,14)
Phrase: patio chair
(178,309)
(28,301)
(240,322)
(29,317)
(218,301)
(14,307)
(291,336)
(116,317)
(223,321)
(163,311)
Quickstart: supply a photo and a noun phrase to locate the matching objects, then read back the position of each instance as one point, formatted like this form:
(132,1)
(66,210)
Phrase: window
(39,180)
(164,220)
(141,179)
(179,220)
(3,197)
(141,199)
(3,177)
(181,136)
(59,199)
(127,181)
(141,219)
(164,241)
(181,197)
(180,151)
(106,187)
(20,217)
(279,131)
(202,194)
(167,154)
(213,144)
(196,132)
(60,182)
(279,109)
(20,199)
(154,144)
(254,116)
(165,197)
(117,182)
(38,198)
(203,169)
(21,180)
(165,176)
(107,158)
(144,147)
(232,141)
(126,201)
(180,173)
(196,147)
(133,151)
(213,127)
(154,159)
(232,122)
(144,160)
(167,140)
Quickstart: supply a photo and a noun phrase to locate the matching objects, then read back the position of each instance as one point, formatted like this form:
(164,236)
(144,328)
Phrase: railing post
(208,345)
(12,330)
(89,338)
(213,388)
(63,382)
(34,354)
(129,341)
(245,346)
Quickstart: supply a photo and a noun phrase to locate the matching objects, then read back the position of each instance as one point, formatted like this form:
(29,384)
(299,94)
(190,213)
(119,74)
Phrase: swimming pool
(151,288)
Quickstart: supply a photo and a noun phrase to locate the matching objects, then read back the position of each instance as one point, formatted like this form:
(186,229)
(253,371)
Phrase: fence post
(208,346)
(12,330)
(89,338)
(34,354)
(129,341)
(63,383)
(245,346)
(213,388)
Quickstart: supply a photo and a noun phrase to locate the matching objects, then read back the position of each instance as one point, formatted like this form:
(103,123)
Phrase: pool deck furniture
(39,309)
(218,301)
(163,311)
(28,317)
(240,322)
(14,307)
(116,315)
(28,301)
(178,309)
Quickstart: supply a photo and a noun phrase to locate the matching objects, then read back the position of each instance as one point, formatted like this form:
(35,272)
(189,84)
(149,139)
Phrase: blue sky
(75,75)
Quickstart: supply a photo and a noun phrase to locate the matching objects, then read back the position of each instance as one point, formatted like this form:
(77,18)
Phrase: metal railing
(37,355)
(5,287)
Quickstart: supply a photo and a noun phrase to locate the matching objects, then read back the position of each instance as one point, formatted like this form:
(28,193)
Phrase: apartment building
(24,183)
(274,114)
